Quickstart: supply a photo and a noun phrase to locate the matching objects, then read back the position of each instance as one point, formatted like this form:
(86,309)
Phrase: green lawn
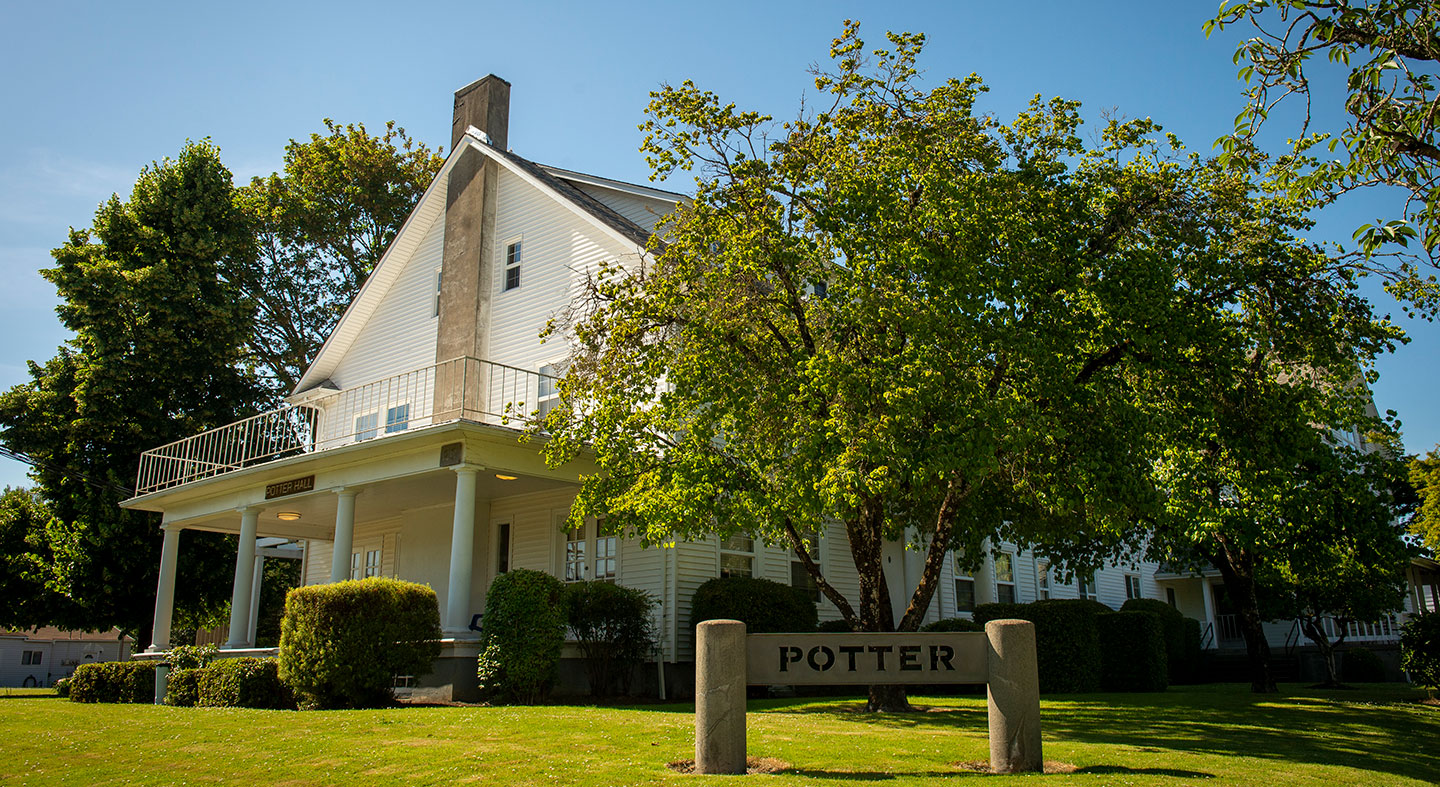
(1221,734)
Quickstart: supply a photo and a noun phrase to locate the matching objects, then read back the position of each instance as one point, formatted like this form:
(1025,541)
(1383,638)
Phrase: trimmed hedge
(524,631)
(342,644)
(243,683)
(1420,649)
(764,606)
(1067,640)
(1173,630)
(1132,651)
(1361,665)
(114,681)
(616,633)
(953,624)
(836,626)
(182,688)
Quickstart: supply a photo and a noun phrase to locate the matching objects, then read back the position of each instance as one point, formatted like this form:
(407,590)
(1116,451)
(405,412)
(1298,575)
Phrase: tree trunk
(1237,566)
(866,548)
(1316,634)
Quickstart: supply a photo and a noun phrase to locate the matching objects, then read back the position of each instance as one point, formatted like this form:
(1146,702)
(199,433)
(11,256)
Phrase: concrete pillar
(720,697)
(344,535)
(255,597)
(462,553)
(1014,697)
(244,580)
(165,590)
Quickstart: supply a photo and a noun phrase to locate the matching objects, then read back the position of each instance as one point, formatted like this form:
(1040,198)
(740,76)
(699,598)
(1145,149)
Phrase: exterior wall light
(288,516)
(504,477)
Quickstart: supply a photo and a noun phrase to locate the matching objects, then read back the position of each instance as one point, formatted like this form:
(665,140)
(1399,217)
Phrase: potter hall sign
(864,659)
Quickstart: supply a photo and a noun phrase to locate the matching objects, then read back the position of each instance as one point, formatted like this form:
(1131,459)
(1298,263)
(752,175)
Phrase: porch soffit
(401,463)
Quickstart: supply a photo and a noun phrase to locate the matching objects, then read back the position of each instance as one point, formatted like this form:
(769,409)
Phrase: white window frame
(508,544)
(1133,588)
(1085,586)
(438,283)
(369,432)
(734,547)
(962,575)
(394,425)
(595,556)
(547,393)
(809,585)
(361,566)
(1010,583)
(509,263)
(1042,579)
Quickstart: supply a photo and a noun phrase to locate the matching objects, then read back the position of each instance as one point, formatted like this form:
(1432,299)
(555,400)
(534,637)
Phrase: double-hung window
(512,266)
(1042,578)
(31,657)
(575,554)
(799,575)
(737,556)
(590,555)
(365,563)
(367,426)
(1087,587)
(548,390)
(964,586)
(1132,586)
(397,418)
(1005,578)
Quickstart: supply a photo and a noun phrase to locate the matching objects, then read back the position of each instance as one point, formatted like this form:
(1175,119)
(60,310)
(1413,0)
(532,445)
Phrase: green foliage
(1173,623)
(1132,651)
(321,225)
(158,348)
(242,683)
(1388,48)
(1420,649)
(616,633)
(114,681)
(524,631)
(762,605)
(341,645)
(953,624)
(190,656)
(1424,477)
(281,576)
(836,626)
(182,687)
(26,558)
(1067,640)
(1361,665)
(62,687)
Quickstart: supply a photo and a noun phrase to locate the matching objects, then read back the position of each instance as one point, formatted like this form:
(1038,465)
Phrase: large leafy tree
(159,335)
(897,318)
(25,560)
(1384,55)
(1424,477)
(321,225)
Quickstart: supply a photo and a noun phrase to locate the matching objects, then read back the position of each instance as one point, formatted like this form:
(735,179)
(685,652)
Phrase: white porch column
(1209,600)
(244,578)
(985,577)
(462,553)
(165,589)
(255,596)
(344,535)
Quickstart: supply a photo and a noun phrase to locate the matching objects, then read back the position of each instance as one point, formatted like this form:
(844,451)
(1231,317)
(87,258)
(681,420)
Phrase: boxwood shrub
(953,624)
(341,645)
(1132,651)
(242,683)
(616,633)
(114,681)
(523,633)
(1067,640)
(764,606)
(182,689)
(1173,628)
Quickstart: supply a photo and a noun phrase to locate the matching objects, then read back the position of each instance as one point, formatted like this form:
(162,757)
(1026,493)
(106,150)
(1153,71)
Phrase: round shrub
(612,623)
(764,606)
(182,688)
(190,656)
(1420,649)
(523,632)
(62,687)
(953,624)
(114,681)
(341,645)
(837,626)
(1361,665)
(1132,651)
(1173,624)
(242,683)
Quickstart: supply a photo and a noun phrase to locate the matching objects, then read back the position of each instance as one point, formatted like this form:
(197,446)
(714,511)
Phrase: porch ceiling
(378,501)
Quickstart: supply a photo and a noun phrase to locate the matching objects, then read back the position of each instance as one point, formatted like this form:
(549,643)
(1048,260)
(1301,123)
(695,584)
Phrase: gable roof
(431,208)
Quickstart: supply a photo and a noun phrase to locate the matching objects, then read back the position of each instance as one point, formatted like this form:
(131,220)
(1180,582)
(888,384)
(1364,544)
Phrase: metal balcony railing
(467,389)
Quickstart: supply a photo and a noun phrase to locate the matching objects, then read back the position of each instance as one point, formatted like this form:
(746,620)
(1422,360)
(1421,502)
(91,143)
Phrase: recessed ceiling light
(288,516)
(504,477)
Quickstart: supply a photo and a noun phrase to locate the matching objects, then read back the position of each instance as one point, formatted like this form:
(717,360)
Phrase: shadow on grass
(1174,773)
(877,776)
(1384,730)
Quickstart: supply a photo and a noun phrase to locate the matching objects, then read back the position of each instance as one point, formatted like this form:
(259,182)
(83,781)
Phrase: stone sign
(1003,658)
(292,487)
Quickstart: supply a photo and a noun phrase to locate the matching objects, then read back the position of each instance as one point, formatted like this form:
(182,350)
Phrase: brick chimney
(468,265)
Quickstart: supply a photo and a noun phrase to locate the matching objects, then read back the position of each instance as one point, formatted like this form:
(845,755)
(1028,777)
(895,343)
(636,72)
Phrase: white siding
(400,335)
(558,250)
(644,211)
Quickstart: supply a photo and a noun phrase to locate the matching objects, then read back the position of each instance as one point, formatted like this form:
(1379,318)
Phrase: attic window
(512,266)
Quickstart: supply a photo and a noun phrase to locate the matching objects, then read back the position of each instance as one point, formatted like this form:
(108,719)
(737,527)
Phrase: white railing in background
(468,389)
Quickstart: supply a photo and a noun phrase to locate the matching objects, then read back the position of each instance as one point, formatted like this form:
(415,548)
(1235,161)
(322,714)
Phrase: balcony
(462,389)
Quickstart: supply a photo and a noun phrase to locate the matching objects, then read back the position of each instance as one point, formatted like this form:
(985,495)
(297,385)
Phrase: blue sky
(94,91)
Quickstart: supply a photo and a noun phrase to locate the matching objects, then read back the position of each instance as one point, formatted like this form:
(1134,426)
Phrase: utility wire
(65,471)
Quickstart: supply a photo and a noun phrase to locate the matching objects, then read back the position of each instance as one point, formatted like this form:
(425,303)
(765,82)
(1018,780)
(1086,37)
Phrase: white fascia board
(370,291)
(609,231)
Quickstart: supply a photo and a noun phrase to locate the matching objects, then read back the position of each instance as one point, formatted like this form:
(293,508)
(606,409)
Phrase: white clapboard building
(397,454)
(37,657)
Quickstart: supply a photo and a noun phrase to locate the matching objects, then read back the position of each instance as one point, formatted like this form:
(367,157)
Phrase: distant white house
(397,454)
(40,656)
